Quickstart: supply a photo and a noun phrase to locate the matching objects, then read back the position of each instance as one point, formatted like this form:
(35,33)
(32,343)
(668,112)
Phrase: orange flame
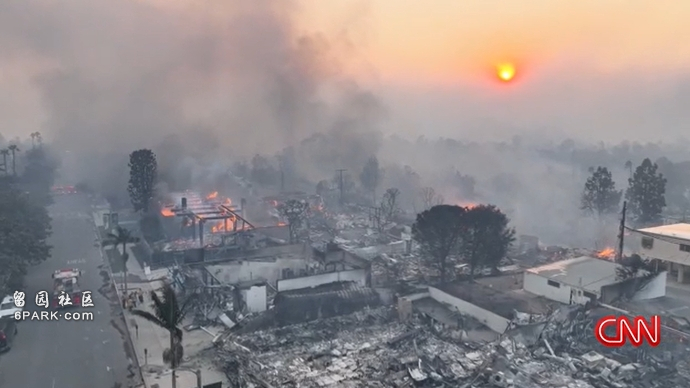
(281,224)
(219,226)
(167,212)
(213,195)
(607,253)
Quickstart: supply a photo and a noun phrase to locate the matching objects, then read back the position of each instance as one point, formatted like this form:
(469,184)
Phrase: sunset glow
(505,72)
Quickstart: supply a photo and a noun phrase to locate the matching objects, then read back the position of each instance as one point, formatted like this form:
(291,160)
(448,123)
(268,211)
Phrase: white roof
(680,231)
(585,272)
(66,273)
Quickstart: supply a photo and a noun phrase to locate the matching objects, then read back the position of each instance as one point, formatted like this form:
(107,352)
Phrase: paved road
(68,354)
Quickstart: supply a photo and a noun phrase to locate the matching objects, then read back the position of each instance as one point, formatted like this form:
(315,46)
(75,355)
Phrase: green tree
(24,231)
(294,211)
(121,237)
(438,233)
(485,237)
(168,313)
(600,196)
(142,178)
(646,193)
(371,176)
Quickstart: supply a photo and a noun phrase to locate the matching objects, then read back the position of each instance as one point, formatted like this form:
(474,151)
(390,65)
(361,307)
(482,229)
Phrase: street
(69,354)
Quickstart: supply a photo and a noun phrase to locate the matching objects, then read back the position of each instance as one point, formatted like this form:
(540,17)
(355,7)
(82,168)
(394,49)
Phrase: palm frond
(182,312)
(150,317)
(158,306)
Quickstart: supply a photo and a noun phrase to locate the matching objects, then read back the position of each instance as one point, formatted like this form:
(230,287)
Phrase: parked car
(8,308)
(8,331)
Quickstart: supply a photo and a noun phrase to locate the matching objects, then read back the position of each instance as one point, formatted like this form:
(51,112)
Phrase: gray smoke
(201,84)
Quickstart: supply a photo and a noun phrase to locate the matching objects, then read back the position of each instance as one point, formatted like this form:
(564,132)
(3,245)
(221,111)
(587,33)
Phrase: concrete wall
(662,249)
(269,270)
(405,307)
(538,285)
(493,321)
(356,275)
(255,298)
(656,288)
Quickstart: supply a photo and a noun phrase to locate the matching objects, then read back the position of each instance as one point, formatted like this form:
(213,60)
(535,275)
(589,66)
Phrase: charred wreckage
(329,315)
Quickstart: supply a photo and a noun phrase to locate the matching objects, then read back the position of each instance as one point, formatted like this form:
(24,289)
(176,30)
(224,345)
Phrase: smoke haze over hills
(206,85)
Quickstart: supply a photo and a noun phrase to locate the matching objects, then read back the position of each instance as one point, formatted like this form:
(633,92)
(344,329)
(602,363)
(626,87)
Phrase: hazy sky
(598,69)
(595,68)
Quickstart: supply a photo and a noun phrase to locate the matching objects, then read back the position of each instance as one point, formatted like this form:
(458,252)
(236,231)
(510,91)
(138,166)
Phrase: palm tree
(122,237)
(168,314)
(5,153)
(33,139)
(13,149)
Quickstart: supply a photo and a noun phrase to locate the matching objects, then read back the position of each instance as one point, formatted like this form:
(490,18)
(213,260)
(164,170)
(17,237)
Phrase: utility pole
(340,172)
(621,234)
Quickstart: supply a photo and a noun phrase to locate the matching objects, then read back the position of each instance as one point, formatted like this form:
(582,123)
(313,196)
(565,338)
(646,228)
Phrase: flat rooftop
(502,303)
(680,230)
(587,272)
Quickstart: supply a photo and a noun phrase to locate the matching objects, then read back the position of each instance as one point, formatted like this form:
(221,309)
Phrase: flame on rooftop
(607,253)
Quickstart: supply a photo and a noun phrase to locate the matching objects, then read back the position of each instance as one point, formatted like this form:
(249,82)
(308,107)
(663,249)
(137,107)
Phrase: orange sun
(505,72)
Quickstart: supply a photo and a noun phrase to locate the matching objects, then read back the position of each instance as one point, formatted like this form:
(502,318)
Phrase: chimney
(184,202)
(243,206)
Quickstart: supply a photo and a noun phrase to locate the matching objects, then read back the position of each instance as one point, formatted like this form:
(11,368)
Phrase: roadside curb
(106,262)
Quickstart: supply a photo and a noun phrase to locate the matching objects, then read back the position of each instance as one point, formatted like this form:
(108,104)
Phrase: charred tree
(294,212)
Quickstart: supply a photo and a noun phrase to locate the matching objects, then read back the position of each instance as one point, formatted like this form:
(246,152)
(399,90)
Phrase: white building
(668,243)
(582,279)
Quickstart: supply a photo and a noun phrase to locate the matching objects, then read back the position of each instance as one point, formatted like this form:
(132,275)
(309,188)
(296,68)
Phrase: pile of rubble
(373,349)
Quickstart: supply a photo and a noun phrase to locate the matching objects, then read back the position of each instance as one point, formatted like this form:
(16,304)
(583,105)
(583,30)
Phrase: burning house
(198,225)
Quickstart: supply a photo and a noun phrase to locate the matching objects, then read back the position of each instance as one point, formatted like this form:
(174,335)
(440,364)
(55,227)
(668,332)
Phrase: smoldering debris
(372,348)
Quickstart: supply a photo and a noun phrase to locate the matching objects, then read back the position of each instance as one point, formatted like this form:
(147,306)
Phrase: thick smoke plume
(206,84)
(201,83)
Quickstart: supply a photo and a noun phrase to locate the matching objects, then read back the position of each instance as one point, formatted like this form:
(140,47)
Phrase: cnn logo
(634,331)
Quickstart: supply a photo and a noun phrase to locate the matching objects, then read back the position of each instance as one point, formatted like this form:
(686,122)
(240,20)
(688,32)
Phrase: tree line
(24,197)
(645,194)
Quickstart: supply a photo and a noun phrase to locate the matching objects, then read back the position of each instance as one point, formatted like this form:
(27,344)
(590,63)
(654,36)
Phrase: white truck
(67,281)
